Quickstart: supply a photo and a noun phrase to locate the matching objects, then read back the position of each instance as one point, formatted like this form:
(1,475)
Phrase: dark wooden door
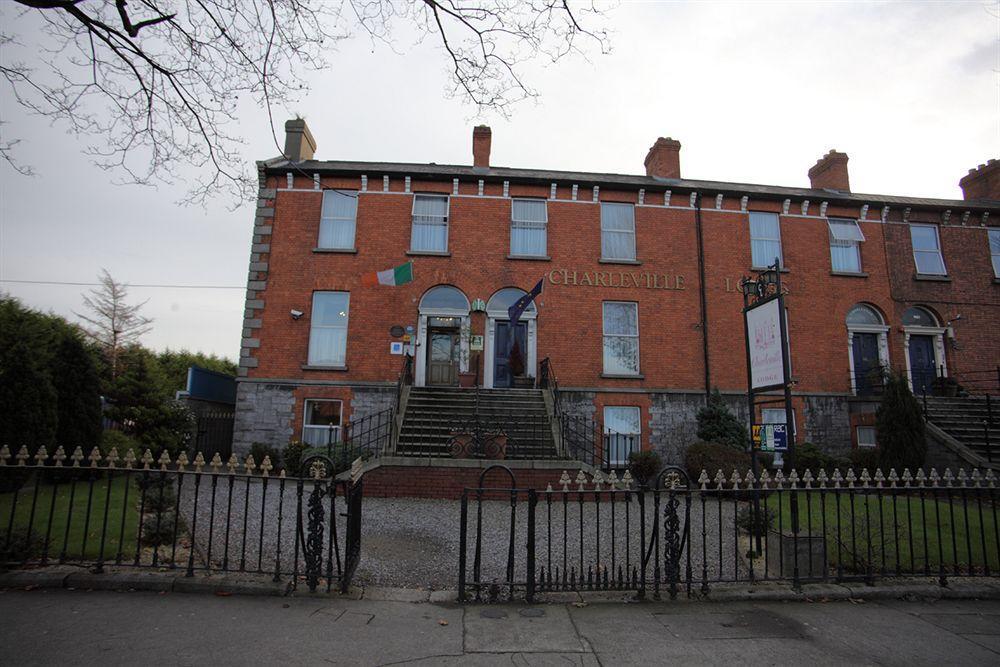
(922,363)
(867,378)
(502,376)
(442,357)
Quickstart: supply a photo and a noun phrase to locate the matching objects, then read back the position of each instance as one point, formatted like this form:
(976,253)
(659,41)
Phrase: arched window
(504,299)
(919,317)
(444,297)
(863,314)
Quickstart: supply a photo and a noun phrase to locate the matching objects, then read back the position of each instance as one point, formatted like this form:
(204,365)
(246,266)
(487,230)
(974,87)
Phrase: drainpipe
(702,294)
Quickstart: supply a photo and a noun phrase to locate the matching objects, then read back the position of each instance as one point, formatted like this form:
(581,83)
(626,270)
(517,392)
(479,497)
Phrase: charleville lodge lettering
(616,279)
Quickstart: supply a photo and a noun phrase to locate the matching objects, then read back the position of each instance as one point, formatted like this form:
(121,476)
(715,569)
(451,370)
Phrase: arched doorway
(442,351)
(867,342)
(924,346)
(500,338)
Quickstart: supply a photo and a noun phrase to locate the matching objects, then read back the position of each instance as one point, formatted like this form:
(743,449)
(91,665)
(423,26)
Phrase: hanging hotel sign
(764,343)
(616,279)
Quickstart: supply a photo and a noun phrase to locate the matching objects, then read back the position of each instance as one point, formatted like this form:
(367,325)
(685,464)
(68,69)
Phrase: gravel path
(415,542)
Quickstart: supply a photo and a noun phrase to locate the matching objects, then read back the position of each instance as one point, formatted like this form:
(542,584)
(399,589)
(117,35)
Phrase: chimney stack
(983,182)
(664,159)
(482,140)
(299,142)
(830,172)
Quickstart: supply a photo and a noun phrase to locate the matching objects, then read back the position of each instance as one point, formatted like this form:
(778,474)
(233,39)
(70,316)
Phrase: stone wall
(828,424)
(264,414)
(366,402)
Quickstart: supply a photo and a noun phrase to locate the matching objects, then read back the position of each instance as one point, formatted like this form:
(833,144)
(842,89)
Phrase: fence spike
(893,477)
(807,479)
(22,455)
(909,480)
(934,478)
(779,479)
(626,480)
(317,470)
(250,464)
(597,480)
(265,466)
(720,479)
(990,478)
(703,480)
(182,461)
(281,475)
(164,460)
(58,457)
(963,480)
(879,478)
(793,478)
(4,455)
(822,478)
(232,464)
(147,459)
(581,479)
(199,462)
(750,480)
(949,478)
(40,456)
(850,478)
(837,478)
(112,458)
(613,480)
(564,481)
(215,463)
(765,479)
(548,489)
(977,478)
(95,457)
(734,479)
(77,456)
(865,478)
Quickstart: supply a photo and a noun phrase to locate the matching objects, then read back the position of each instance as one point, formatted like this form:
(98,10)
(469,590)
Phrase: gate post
(530,564)
(462,547)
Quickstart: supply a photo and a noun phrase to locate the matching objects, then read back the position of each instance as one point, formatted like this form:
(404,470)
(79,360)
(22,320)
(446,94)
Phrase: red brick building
(641,310)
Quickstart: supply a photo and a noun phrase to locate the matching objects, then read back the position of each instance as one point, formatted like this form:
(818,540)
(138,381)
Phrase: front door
(867,379)
(922,363)
(502,376)
(442,357)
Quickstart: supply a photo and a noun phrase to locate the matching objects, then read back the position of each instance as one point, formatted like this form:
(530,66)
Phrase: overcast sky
(755,92)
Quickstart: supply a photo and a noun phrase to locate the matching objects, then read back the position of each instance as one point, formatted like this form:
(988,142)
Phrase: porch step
(963,419)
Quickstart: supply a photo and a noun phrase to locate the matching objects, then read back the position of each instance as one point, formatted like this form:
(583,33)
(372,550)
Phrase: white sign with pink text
(764,330)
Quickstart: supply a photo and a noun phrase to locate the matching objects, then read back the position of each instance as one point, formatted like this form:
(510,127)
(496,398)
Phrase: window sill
(931,278)
(996,281)
(308,367)
(612,376)
(341,251)
(427,253)
(632,262)
(768,268)
(849,274)
(531,258)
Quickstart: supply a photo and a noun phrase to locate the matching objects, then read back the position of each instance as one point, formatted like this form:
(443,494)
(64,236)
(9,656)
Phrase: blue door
(502,376)
(922,363)
(867,368)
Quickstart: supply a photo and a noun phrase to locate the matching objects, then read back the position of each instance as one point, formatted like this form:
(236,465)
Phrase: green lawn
(922,534)
(76,516)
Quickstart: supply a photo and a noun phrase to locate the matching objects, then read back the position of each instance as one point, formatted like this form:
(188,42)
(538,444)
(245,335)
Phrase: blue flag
(519,306)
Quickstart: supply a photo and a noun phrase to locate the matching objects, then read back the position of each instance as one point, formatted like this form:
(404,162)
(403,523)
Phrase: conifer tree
(899,426)
(717,424)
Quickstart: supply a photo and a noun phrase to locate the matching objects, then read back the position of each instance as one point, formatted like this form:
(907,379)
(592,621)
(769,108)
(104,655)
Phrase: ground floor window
(866,436)
(622,433)
(321,422)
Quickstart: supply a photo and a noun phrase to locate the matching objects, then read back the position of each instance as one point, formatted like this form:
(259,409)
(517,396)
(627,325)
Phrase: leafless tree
(157,83)
(113,323)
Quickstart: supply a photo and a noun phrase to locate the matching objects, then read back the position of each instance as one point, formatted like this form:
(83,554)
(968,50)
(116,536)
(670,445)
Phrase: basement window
(622,433)
(866,436)
(321,422)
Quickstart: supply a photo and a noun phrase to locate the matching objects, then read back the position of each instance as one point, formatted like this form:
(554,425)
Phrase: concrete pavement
(56,627)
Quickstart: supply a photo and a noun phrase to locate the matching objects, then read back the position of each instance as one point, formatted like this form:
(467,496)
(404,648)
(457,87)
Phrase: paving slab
(756,623)
(632,635)
(488,632)
(964,624)
(120,581)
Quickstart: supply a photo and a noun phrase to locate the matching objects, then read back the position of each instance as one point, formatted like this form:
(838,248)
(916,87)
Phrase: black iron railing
(673,536)
(179,514)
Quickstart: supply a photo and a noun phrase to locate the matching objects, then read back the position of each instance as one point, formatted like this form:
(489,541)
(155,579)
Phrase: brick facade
(664,282)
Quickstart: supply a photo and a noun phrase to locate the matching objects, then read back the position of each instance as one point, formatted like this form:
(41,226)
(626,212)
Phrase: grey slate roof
(432,171)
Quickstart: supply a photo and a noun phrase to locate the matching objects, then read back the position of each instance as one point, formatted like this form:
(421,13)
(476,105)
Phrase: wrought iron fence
(176,513)
(608,533)
(214,434)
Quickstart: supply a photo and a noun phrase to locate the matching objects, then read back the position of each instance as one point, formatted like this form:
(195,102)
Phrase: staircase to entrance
(974,421)
(436,418)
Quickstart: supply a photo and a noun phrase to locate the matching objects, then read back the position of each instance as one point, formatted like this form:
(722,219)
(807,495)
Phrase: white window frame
(634,446)
(631,207)
(994,255)
(604,335)
(331,219)
(325,429)
(543,225)
(313,326)
(937,250)
(838,239)
(865,444)
(781,249)
(446,221)
(881,330)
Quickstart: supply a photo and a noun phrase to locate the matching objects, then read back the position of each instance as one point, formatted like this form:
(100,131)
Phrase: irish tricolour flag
(400,275)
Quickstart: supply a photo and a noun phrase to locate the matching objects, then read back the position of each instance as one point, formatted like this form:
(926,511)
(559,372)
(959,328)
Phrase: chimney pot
(664,159)
(830,172)
(299,142)
(482,140)
(983,182)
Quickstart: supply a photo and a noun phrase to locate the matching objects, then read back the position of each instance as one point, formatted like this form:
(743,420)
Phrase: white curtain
(527,227)
(844,256)
(617,231)
(621,339)
(336,229)
(765,239)
(430,224)
(328,336)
